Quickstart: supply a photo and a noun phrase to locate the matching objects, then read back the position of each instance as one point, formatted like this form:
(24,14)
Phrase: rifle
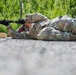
(6,22)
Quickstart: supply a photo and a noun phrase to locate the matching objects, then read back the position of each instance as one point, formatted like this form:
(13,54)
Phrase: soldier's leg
(16,35)
(50,33)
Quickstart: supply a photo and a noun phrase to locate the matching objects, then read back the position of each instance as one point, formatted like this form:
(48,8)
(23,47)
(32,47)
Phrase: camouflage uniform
(60,28)
(31,18)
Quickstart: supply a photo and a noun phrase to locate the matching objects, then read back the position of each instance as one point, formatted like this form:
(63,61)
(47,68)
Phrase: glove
(22,21)
(4,22)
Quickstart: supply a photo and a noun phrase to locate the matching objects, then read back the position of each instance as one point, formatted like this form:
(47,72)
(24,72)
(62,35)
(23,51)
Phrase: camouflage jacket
(37,21)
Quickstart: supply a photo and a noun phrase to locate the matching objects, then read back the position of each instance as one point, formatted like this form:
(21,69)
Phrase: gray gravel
(34,57)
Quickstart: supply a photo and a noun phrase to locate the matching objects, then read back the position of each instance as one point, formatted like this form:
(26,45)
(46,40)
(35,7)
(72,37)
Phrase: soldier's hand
(4,22)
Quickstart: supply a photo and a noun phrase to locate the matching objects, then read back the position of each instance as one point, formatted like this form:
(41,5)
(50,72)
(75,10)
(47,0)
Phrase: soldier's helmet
(35,17)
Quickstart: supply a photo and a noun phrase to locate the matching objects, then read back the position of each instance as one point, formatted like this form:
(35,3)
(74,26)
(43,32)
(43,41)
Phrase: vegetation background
(10,9)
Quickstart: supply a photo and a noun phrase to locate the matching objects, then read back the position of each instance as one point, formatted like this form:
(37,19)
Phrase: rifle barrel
(12,21)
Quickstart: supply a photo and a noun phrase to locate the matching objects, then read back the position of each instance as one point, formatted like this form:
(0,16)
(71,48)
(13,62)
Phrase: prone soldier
(38,26)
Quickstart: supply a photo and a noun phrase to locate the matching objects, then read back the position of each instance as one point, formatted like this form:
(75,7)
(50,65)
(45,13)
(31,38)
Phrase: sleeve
(16,35)
(72,37)
(35,17)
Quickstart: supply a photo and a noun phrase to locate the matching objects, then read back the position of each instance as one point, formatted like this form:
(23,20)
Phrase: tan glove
(3,35)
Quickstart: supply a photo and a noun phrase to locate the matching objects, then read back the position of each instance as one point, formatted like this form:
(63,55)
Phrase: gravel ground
(34,57)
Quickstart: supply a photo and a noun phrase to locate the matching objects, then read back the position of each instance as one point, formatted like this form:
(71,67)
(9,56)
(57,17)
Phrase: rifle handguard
(6,22)
(22,21)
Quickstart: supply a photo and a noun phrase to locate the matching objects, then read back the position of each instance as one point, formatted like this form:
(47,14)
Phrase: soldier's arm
(72,37)
(16,35)
(49,33)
